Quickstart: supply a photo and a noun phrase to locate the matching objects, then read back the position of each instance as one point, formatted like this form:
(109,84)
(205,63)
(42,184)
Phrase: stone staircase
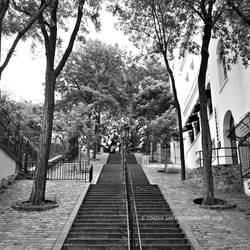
(157,224)
(102,220)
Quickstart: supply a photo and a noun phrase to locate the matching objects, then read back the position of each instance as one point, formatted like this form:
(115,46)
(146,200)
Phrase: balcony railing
(220,156)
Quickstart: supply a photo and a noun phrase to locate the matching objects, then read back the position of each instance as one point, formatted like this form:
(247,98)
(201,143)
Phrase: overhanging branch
(21,34)
(72,39)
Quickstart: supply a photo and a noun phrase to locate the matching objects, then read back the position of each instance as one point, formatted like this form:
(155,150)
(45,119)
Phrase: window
(192,65)
(222,67)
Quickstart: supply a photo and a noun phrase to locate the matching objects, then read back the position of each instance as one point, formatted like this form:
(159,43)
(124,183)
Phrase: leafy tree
(155,27)
(164,127)
(94,75)
(11,23)
(211,16)
(241,8)
(77,121)
(153,99)
(46,30)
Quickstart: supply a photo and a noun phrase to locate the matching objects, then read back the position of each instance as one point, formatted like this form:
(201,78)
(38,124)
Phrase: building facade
(228,108)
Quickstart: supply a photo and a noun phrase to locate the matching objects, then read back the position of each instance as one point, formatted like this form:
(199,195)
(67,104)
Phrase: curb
(62,236)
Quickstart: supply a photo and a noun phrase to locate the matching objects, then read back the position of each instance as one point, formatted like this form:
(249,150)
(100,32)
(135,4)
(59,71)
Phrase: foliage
(164,126)
(153,99)
(242,9)
(156,27)
(153,109)
(13,23)
(94,75)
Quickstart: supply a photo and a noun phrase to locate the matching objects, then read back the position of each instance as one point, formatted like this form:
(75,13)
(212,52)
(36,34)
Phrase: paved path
(39,230)
(213,230)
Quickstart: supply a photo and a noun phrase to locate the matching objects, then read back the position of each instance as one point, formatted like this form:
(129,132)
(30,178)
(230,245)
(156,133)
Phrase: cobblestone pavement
(39,230)
(213,229)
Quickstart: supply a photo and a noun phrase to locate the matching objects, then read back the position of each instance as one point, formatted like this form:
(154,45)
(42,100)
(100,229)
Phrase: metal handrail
(134,205)
(127,209)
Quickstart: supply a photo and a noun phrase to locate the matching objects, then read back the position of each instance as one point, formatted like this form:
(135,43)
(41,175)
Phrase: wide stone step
(101,235)
(151,213)
(99,194)
(99,241)
(103,208)
(91,204)
(153,208)
(151,202)
(153,230)
(148,198)
(105,198)
(156,246)
(103,225)
(100,217)
(162,235)
(95,247)
(104,202)
(169,241)
(98,230)
(103,220)
(102,212)
(158,225)
(156,221)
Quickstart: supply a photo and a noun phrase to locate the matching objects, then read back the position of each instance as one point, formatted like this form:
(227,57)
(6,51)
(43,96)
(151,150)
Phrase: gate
(70,171)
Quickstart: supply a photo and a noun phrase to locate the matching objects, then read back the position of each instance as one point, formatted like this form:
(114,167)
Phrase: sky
(24,75)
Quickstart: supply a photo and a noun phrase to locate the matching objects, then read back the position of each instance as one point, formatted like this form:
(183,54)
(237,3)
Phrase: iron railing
(220,156)
(70,171)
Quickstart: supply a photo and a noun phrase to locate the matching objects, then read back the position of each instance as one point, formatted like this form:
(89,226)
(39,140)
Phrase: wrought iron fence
(70,171)
(223,155)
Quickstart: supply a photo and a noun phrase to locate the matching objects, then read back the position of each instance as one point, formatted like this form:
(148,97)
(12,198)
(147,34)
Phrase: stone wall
(227,178)
(4,182)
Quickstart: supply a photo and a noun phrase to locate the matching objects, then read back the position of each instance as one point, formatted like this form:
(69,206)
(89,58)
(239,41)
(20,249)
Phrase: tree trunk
(147,142)
(98,145)
(178,109)
(166,159)
(208,196)
(94,149)
(38,190)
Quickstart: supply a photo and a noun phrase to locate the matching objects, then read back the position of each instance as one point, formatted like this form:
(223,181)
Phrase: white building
(228,95)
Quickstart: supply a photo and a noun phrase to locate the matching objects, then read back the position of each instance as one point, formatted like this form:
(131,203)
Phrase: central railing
(132,217)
